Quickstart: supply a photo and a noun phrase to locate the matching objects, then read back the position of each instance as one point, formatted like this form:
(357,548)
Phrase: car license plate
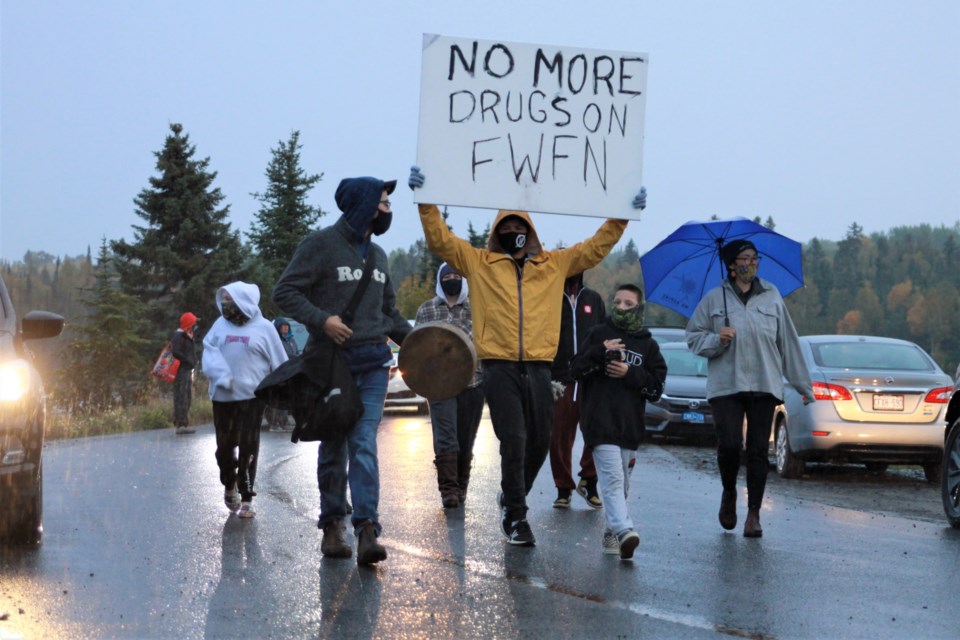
(887,402)
(691,416)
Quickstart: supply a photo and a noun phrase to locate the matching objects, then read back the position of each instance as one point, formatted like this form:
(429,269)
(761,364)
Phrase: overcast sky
(817,113)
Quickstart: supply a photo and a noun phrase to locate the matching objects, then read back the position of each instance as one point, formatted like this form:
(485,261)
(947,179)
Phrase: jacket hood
(358,199)
(279,323)
(464,290)
(245,295)
(533,241)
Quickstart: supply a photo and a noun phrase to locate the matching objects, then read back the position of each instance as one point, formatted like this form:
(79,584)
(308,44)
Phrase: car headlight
(14,380)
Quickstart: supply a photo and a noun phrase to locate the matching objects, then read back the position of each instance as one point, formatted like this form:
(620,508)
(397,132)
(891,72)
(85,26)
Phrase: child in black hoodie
(620,367)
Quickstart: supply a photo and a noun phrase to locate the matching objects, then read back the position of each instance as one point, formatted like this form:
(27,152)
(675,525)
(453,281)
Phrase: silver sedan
(880,401)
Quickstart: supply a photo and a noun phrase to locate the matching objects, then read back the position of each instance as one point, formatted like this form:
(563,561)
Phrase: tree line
(122,305)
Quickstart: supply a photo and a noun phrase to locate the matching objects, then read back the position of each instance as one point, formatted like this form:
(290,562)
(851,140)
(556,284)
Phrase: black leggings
(238,443)
(728,414)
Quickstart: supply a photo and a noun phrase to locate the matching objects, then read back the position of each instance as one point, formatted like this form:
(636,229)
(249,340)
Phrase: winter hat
(732,249)
(187,320)
(445,269)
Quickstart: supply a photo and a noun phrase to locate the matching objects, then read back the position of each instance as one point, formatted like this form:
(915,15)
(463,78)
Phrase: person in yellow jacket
(516,292)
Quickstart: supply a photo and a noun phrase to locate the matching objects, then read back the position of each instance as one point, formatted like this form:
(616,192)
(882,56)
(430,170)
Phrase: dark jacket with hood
(613,408)
(289,343)
(578,316)
(325,270)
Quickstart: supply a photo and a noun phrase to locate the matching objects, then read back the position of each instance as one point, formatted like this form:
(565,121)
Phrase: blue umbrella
(678,271)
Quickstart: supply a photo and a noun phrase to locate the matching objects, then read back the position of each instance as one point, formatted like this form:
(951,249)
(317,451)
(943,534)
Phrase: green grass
(155,413)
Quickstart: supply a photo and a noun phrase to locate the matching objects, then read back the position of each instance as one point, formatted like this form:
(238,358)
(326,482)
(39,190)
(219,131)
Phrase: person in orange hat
(184,350)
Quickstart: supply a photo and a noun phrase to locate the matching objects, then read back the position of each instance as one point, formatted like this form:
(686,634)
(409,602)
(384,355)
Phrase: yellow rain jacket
(516,311)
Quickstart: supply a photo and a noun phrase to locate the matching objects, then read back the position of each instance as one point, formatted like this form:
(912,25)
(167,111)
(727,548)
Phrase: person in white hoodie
(240,349)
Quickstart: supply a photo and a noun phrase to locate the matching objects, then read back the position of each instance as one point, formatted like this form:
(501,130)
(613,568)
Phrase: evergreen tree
(284,218)
(478,240)
(104,366)
(187,249)
(770,224)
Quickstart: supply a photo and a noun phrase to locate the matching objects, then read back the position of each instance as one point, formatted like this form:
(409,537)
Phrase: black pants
(182,397)
(728,414)
(521,409)
(238,443)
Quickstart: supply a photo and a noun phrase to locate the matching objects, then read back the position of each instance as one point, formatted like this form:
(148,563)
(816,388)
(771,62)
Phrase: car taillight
(825,391)
(940,395)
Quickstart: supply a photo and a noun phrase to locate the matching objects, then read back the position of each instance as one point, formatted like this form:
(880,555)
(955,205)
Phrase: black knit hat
(730,251)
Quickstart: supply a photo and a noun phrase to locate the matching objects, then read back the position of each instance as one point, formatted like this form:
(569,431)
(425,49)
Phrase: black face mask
(381,223)
(511,241)
(452,287)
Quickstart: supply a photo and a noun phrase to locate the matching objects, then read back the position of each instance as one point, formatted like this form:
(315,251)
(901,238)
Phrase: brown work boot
(447,480)
(751,526)
(369,550)
(728,509)
(333,545)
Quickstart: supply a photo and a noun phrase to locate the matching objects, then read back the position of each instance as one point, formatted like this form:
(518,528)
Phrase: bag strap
(351,308)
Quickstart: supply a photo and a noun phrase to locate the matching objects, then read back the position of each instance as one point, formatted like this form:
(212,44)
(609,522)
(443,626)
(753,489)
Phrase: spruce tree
(187,249)
(104,363)
(284,218)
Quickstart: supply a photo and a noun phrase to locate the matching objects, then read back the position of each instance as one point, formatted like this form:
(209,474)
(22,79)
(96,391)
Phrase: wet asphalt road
(138,544)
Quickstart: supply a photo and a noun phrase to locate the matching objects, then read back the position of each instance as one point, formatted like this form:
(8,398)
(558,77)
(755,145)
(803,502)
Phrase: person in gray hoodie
(314,289)
(240,349)
(744,330)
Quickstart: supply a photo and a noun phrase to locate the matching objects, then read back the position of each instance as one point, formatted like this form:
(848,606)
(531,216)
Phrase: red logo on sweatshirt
(587,308)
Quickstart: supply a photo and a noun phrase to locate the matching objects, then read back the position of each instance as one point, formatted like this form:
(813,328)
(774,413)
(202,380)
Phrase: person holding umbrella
(744,330)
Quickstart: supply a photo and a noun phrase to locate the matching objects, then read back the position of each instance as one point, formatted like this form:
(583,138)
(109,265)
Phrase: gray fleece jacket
(325,270)
(765,350)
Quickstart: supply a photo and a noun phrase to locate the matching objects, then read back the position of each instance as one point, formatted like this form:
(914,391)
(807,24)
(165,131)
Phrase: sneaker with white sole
(587,488)
(231,498)
(246,510)
(629,540)
(518,533)
(563,499)
(611,546)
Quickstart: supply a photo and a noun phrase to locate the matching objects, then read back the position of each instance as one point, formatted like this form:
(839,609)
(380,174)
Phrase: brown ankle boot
(751,526)
(333,545)
(447,480)
(369,550)
(728,509)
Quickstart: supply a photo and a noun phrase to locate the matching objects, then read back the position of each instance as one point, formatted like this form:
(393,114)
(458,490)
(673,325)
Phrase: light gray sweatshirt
(765,350)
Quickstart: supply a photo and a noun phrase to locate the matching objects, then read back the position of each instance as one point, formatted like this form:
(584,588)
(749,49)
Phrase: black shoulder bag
(317,386)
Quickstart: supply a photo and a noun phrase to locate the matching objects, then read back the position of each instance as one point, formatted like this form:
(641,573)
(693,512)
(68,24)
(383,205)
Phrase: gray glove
(415,181)
(639,201)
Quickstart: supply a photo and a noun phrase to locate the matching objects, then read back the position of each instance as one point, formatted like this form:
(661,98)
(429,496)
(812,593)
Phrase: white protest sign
(539,128)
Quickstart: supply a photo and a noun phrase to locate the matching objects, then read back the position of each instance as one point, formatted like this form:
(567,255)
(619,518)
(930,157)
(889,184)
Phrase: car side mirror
(41,324)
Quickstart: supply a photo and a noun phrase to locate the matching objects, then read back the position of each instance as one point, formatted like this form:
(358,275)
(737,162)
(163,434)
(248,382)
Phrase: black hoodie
(325,270)
(613,408)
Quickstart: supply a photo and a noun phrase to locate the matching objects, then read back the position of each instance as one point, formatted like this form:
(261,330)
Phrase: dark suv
(22,414)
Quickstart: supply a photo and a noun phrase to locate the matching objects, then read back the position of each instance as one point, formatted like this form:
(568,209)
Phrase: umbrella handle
(726,318)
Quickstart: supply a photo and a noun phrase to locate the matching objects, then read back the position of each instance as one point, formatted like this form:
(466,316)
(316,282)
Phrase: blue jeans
(358,453)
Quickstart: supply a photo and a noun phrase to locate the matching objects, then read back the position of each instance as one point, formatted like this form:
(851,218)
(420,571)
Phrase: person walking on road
(278,418)
(240,349)
(744,330)
(455,421)
(184,349)
(516,290)
(621,368)
(583,309)
(314,289)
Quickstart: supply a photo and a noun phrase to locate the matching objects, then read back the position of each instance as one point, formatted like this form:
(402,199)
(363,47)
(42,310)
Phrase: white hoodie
(237,357)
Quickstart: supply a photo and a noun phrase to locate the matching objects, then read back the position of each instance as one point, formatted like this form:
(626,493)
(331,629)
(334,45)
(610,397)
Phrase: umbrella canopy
(678,271)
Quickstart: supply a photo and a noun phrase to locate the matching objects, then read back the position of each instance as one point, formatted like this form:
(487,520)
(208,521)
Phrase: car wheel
(788,465)
(24,524)
(877,467)
(950,476)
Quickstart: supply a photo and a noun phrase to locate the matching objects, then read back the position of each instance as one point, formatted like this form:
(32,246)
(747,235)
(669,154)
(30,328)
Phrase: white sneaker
(611,546)
(231,498)
(246,510)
